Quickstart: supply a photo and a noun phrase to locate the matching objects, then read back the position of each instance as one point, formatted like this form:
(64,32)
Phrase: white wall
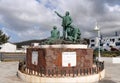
(8,47)
(78,79)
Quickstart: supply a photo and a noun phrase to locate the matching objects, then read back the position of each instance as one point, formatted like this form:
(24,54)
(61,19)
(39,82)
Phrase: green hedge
(107,53)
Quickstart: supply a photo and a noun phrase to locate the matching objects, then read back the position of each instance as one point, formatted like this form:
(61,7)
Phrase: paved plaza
(112,74)
(8,72)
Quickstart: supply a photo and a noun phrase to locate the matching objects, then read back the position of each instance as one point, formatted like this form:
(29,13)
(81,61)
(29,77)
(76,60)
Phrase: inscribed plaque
(35,57)
(68,59)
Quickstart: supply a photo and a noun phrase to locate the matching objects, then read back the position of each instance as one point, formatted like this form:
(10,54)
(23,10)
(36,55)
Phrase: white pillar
(99,55)
(98,32)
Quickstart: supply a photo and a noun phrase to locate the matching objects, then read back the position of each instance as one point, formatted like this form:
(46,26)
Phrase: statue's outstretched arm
(59,14)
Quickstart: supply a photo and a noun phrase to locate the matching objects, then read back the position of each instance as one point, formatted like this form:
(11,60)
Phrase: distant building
(34,44)
(24,47)
(8,47)
(105,42)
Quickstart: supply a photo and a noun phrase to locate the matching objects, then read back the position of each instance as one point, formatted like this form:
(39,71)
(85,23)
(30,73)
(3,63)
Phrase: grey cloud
(112,2)
(98,7)
(85,13)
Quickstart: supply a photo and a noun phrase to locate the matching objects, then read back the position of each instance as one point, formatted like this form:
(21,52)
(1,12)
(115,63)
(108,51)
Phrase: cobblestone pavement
(8,72)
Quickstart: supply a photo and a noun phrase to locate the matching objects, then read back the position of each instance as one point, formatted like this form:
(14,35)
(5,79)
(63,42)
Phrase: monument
(61,59)
(69,32)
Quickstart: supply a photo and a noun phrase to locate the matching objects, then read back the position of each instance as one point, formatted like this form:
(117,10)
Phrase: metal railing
(62,71)
(12,56)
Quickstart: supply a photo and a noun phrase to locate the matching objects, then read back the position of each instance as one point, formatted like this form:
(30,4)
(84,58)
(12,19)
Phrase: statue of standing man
(66,22)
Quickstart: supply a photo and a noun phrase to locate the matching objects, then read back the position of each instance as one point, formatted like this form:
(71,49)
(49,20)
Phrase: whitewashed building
(105,42)
(8,47)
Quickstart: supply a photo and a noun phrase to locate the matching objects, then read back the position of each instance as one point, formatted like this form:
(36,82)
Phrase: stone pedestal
(49,56)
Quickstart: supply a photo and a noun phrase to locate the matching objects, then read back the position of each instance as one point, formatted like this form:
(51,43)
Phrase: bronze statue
(66,22)
(55,35)
(71,34)
(69,31)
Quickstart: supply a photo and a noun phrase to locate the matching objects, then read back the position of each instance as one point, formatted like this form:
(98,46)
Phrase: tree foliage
(3,38)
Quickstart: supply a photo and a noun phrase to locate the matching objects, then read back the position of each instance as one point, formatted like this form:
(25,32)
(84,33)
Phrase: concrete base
(83,46)
(79,79)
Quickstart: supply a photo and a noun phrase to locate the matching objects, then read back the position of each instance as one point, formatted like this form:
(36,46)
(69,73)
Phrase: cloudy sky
(34,19)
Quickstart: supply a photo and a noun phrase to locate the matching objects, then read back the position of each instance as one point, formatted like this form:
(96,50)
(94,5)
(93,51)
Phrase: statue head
(54,27)
(67,13)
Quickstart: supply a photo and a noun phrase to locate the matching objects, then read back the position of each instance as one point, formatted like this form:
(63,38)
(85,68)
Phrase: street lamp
(98,31)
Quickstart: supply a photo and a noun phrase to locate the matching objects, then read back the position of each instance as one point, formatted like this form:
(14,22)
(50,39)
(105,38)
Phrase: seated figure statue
(55,34)
(73,33)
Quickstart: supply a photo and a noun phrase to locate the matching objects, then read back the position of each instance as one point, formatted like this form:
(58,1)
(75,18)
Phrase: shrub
(107,53)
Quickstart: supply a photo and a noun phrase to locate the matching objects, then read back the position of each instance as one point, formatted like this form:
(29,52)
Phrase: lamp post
(98,32)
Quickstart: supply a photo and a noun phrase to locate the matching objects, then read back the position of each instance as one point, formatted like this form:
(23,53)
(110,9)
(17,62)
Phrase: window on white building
(101,44)
(92,40)
(118,39)
(117,43)
(92,45)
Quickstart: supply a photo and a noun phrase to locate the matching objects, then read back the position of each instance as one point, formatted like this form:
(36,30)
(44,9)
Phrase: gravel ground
(8,72)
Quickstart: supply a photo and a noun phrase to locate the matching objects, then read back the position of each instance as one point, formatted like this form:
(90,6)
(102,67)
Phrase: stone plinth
(51,56)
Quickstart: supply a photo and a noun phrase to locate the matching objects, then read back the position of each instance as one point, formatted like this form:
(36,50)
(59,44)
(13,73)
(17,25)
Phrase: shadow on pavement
(106,81)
